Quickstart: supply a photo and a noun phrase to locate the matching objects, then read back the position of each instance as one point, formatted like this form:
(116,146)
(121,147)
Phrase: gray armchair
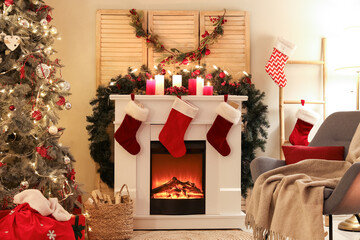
(337,130)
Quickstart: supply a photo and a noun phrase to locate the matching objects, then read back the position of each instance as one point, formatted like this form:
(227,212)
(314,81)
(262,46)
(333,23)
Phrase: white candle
(199,86)
(159,84)
(176,80)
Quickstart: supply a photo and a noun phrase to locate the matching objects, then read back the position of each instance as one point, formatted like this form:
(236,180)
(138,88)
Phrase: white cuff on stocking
(228,112)
(307,115)
(137,112)
(185,108)
(285,46)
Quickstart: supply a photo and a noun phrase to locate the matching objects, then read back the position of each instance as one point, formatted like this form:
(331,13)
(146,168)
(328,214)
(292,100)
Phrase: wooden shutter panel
(117,46)
(232,51)
(176,29)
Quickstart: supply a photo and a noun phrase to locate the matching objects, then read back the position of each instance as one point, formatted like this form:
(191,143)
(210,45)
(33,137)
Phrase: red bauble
(163,72)
(37,115)
(209,76)
(61,101)
(11,107)
(207,51)
(222,75)
(48,18)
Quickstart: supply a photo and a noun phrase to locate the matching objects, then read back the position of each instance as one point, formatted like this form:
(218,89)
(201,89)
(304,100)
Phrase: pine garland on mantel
(254,117)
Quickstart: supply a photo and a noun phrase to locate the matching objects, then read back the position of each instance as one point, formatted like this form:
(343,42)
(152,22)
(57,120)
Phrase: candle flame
(208,83)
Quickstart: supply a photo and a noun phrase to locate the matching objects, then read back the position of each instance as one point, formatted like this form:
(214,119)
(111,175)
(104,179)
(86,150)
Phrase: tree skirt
(192,235)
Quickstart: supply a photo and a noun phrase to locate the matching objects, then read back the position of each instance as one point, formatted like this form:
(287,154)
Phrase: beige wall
(302,22)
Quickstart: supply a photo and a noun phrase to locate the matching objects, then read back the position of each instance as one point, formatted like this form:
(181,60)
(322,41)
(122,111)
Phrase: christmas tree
(31,93)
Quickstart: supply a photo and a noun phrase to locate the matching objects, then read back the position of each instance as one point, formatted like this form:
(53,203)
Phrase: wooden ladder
(282,102)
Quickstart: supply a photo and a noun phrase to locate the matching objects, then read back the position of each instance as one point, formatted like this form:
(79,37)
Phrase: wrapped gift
(78,224)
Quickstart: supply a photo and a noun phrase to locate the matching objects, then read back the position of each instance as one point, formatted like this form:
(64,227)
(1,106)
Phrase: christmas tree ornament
(48,51)
(53,30)
(61,101)
(24,23)
(42,70)
(125,135)
(43,151)
(37,115)
(283,49)
(172,134)
(67,105)
(222,75)
(9,2)
(227,116)
(11,107)
(44,22)
(65,86)
(12,42)
(24,184)
(67,160)
(306,118)
(53,130)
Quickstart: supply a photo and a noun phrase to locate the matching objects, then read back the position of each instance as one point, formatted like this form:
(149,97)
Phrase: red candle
(208,90)
(192,86)
(150,87)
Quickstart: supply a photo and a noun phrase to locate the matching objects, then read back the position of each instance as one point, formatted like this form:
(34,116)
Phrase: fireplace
(177,185)
(221,207)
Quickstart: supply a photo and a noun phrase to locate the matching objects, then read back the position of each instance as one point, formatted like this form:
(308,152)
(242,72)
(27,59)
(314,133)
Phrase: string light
(245,73)
(155,67)
(185,70)
(135,70)
(226,72)
(215,67)
(169,72)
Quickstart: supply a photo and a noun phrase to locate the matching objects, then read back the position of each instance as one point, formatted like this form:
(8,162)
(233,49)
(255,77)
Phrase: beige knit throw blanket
(287,202)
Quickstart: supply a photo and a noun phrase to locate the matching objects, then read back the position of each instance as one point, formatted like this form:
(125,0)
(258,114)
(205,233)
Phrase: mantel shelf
(170,97)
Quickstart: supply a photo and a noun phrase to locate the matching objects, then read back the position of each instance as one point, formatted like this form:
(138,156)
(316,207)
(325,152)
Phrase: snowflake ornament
(51,234)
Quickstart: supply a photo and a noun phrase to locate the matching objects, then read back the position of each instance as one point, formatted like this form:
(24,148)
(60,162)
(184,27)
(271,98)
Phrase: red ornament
(48,18)
(22,72)
(2,164)
(11,107)
(163,72)
(248,80)
(209,76)
(43,152)
(207,51)
(222,75)
(205,34)
(61,101)
(195,73)
(223,83)
(9,2)
(185,61)
(71,175)
(36,115)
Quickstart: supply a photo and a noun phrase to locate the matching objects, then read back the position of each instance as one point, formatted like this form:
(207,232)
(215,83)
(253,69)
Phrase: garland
(174,55)
(254,119)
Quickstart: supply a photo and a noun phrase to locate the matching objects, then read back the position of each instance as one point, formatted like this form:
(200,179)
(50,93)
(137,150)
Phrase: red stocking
(125,135)
(283,49)
(172,134)
(216,136)
(306,118)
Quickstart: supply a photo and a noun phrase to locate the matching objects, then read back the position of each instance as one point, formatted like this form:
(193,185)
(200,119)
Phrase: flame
(187,171)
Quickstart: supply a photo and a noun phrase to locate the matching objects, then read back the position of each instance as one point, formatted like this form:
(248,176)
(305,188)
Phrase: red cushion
(294,154)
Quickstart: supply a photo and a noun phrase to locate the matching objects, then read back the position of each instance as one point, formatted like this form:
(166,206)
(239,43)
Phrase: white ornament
(67,105)
(47,51)
(67,160)
(53,130)
(65,86)
(44,22)
(24,23)
(43,70)
(12,42)
(24,184)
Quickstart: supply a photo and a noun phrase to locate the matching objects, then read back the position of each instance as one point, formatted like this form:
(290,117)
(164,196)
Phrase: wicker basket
(108,221)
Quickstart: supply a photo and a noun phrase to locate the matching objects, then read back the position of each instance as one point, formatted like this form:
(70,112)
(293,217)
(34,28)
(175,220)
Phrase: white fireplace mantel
(223,174)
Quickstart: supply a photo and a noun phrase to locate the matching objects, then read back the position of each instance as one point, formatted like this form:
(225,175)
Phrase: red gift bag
(78,225)
(25,223)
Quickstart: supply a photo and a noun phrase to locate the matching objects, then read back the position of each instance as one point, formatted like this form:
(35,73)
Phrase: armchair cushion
(294,154)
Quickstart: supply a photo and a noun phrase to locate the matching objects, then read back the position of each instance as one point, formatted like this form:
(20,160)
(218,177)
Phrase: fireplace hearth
(178,184)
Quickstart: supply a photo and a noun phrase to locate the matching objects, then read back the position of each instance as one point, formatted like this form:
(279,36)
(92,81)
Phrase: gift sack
(25,223)
(78,225)
(107,219)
